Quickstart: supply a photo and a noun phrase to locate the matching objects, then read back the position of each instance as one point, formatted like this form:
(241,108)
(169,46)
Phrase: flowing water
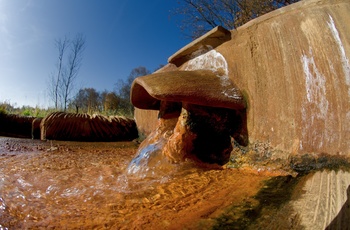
(74,185)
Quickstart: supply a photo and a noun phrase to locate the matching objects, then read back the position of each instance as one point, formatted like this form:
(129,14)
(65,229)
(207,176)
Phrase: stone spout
(294,67)
(199,87)
(199,111)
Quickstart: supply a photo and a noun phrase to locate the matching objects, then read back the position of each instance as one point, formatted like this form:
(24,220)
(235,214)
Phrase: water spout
(196,121)
(149,160)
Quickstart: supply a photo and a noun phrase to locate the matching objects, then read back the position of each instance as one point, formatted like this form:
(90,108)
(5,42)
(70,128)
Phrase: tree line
(88,100)
(116,102)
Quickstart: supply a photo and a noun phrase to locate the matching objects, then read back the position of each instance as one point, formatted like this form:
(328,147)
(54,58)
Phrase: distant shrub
(4,108)
(26,112)
(2,111)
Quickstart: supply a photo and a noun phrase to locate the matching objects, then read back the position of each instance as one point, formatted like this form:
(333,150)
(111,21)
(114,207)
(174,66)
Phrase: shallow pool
(86,185)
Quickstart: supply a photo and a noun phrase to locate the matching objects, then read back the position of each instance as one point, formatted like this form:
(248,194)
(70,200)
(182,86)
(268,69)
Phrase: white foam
(211,60)
(215,62)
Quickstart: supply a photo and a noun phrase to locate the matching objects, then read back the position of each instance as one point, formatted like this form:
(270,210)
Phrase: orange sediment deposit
(84,185)
(283,81)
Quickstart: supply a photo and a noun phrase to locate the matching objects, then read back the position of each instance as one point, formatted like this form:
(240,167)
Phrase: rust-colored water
(75,185)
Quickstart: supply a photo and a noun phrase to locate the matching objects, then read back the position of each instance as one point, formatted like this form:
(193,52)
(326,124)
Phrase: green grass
(7,108)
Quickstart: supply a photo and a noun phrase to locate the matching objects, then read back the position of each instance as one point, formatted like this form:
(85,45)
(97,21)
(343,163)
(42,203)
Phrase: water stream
(93,185)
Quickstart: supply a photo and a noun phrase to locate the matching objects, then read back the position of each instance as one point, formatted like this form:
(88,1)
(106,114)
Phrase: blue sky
(120,35)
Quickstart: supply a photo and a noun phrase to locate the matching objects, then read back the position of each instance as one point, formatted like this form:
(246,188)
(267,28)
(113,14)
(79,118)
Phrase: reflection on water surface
(86,185)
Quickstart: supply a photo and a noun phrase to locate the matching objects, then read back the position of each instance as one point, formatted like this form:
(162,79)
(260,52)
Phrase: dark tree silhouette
(123,89)
(200,16)
(87,100)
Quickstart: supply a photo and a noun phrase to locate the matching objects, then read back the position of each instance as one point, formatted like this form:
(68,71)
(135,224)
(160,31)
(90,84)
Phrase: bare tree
(200,16)
(73,66)
(55,81)
(62,81)
(61,46)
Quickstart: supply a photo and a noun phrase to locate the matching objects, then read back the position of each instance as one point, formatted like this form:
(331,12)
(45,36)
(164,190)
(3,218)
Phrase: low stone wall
(83,127)
(16,126)
(36,128)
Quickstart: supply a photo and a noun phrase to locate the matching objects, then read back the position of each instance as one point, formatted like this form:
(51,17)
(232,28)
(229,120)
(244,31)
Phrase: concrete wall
(293,67)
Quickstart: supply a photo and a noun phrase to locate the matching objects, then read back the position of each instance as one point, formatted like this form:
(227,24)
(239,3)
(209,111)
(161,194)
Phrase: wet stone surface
(187,131)
(198,127)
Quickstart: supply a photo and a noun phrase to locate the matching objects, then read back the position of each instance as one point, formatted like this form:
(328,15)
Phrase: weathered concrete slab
(199,87)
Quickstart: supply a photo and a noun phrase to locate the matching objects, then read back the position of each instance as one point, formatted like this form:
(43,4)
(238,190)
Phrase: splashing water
(146,161)
(150,161)
(148,167)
